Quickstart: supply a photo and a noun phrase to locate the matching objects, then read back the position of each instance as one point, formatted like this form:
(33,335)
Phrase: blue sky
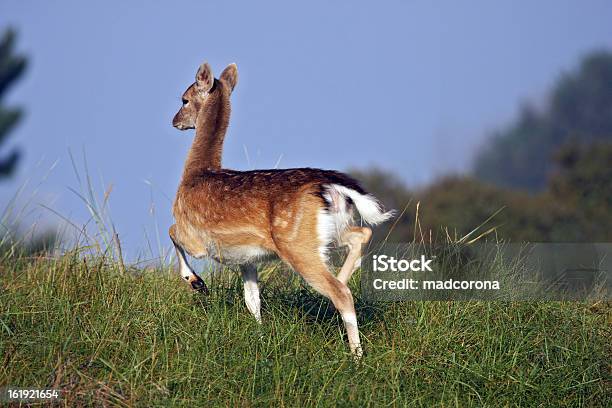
(411,86)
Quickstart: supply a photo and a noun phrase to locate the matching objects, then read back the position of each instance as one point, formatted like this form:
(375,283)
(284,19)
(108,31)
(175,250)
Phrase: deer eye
(185,101)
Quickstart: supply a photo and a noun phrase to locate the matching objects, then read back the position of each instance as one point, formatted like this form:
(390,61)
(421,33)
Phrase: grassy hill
(141,338)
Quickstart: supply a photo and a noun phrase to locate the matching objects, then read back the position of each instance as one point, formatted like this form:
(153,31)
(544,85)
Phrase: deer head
(195,98)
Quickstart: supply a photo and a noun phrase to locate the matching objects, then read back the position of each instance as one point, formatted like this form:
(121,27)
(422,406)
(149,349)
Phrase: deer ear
(204,78)
(230,76)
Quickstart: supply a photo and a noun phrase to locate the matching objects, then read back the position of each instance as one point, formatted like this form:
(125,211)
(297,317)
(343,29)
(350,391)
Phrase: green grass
(143,339)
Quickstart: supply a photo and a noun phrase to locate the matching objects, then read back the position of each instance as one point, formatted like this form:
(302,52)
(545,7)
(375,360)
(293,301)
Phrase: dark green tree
(579,110)
(574,207)
(583,180)
(11,68)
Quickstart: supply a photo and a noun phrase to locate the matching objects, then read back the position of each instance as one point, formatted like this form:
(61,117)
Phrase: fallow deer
(239,217)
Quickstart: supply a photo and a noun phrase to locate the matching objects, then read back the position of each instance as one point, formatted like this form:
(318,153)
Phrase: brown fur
(275,211)
(251,207)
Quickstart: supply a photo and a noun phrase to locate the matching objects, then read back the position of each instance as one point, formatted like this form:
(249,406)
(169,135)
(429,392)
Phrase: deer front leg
(354,238)
(251,290)
(185,270)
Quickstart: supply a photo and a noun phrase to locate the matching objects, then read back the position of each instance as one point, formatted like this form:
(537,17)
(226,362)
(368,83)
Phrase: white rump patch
(338,217)
(325,232)
(368,206)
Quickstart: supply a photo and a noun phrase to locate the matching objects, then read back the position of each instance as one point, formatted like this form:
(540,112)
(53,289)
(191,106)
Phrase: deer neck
(211,126)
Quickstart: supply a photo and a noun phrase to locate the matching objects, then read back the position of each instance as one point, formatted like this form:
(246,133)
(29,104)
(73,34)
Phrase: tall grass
(143,339)
(111,334)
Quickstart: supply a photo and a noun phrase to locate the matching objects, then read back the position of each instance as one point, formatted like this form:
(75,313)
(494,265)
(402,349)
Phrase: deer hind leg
(353,238)
(315,272)
(185,270)
(251,290)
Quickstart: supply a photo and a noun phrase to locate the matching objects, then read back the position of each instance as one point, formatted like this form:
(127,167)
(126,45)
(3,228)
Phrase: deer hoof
(200,286)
